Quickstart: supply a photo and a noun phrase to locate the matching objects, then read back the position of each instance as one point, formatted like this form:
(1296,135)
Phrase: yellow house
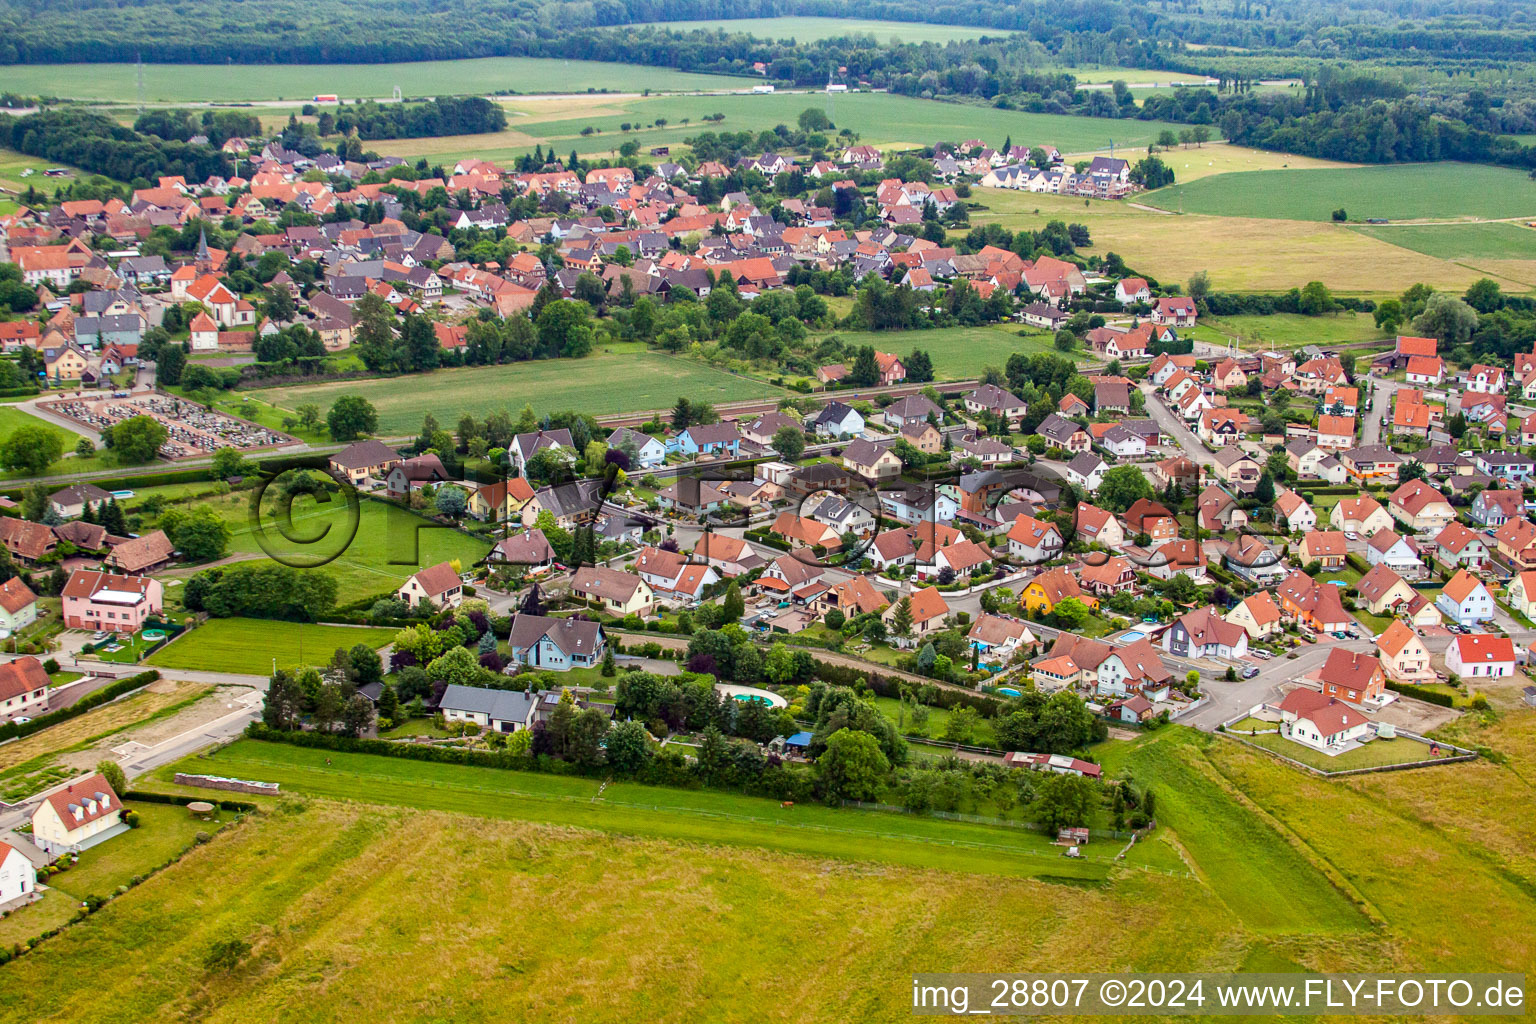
(1382,590)
(1404,658)
(1258,615)
(619,593)
(78,816)
(1050,588)
(66,363)
(1521,593)
(500,501)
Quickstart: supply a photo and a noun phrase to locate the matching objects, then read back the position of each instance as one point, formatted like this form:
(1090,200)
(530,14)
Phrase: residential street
(1170,424)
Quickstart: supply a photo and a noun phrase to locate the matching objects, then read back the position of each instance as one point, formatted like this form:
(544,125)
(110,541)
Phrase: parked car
(99,636)
(1250,671)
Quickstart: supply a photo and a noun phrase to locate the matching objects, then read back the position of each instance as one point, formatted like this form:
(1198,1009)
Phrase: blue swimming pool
(1133,635)
(1008,691)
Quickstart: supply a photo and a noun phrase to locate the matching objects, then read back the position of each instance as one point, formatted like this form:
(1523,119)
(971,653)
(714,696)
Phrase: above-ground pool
(1133,636)
(153,634)
(1008,691)
(122,495)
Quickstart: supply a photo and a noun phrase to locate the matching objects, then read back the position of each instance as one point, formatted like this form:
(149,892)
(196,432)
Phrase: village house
(1258,615)
(1515,542)
(1387,548)
(556,644)
(1458,547)
(1404,658)
(18,605)
(503,711)
(1292,510)
(1520,593)
(1383,590)
(103,601)
(1205,634)
(79,816)
(1051,587)
(1465,599)
(23,688)
(18,877)
(1421,507)
(437,586)
(1481,657)
(1352,677)
(1361,516)
(1034,541)
(1315,605)
(1320,722)
(364,461)
(998,637)
(1324,546)
(617,592)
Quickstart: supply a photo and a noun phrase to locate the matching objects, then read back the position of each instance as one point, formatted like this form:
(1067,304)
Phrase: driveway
(1228,700)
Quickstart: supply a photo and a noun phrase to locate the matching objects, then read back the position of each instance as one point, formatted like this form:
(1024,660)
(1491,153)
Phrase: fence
(1462,754)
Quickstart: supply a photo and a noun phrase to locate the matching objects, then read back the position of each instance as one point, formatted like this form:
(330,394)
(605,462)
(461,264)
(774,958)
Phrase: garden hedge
(1445,700)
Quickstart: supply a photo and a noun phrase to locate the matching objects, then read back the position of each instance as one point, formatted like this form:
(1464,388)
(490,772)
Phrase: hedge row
(238,806)
(111,691)
(1445,700)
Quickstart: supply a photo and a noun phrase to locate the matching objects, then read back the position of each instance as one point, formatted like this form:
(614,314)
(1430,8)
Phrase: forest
(102,146)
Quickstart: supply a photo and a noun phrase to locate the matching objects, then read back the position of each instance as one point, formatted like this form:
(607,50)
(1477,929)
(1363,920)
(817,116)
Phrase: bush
(51,666)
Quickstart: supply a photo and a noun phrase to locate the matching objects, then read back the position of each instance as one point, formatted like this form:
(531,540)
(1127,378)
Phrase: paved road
(1228,700)
(1171,424)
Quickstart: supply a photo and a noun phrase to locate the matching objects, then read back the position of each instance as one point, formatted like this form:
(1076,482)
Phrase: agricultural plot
(881,119)
(601,384)
(811,29)
(225,645)
(216,83)
(1501,249)
(339,885)
(1442,191)
(1291,330)
(1195,162)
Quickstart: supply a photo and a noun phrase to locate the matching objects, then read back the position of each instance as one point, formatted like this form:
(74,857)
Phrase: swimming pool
(1008,691)
(122,495)
(1132,636)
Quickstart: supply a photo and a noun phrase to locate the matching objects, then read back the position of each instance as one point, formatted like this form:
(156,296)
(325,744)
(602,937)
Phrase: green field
(13,163)
(1501,240)
(1371,755)
(1266,883)
(654,811)
(880,119)
(957,352)
(1292,330)
(12,418)
(388,545)
(252,645)
(179,83)
(1398,192)
(812,29)
(630,380)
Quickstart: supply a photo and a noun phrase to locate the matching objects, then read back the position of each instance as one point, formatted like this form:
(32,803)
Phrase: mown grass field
(1371,755)
(1441,191)
(180,83)
(625,381)
(1195,162)
(811,29)
(388,545)
(1292,330)
(254,645)
(12,163)
(660,812)
(13,419)
(957,352)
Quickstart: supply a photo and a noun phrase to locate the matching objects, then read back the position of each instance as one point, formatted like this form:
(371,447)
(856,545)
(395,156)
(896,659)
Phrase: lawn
(13,419)
(938,719)
(387,546)
(650,811)
(1266,882)
(1398,192)
(250,645)
(627,380)
(811,29)
(957,352)
(360,912)
(177,83)
(12,163)
(1374,754)
(1291,331)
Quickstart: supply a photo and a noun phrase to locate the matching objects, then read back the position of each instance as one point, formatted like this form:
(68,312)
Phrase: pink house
(99,600)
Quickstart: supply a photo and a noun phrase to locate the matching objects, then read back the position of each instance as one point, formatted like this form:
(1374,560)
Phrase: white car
(100,635)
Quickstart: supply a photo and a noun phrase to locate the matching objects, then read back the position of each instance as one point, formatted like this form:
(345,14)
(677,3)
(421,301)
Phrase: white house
(1034,541)
(79,816)
(1205,634)
(836,420)
(18,605)
(495,710)
(1465,599)
(649,452)
(23,688)
(1320,722)
(1481,657)
(18,878)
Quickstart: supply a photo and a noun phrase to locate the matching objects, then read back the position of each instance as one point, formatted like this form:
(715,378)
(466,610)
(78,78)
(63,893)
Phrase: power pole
(139,74)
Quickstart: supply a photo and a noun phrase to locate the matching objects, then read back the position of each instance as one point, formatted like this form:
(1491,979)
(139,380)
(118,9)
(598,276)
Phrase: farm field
(810,29)
(250,645)
(182,83)
(957,352)
(880,119)
(602,384)
(1195,162)
(12,163)
(389,545)
(332,898)
(1442,191)
(1495,240)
